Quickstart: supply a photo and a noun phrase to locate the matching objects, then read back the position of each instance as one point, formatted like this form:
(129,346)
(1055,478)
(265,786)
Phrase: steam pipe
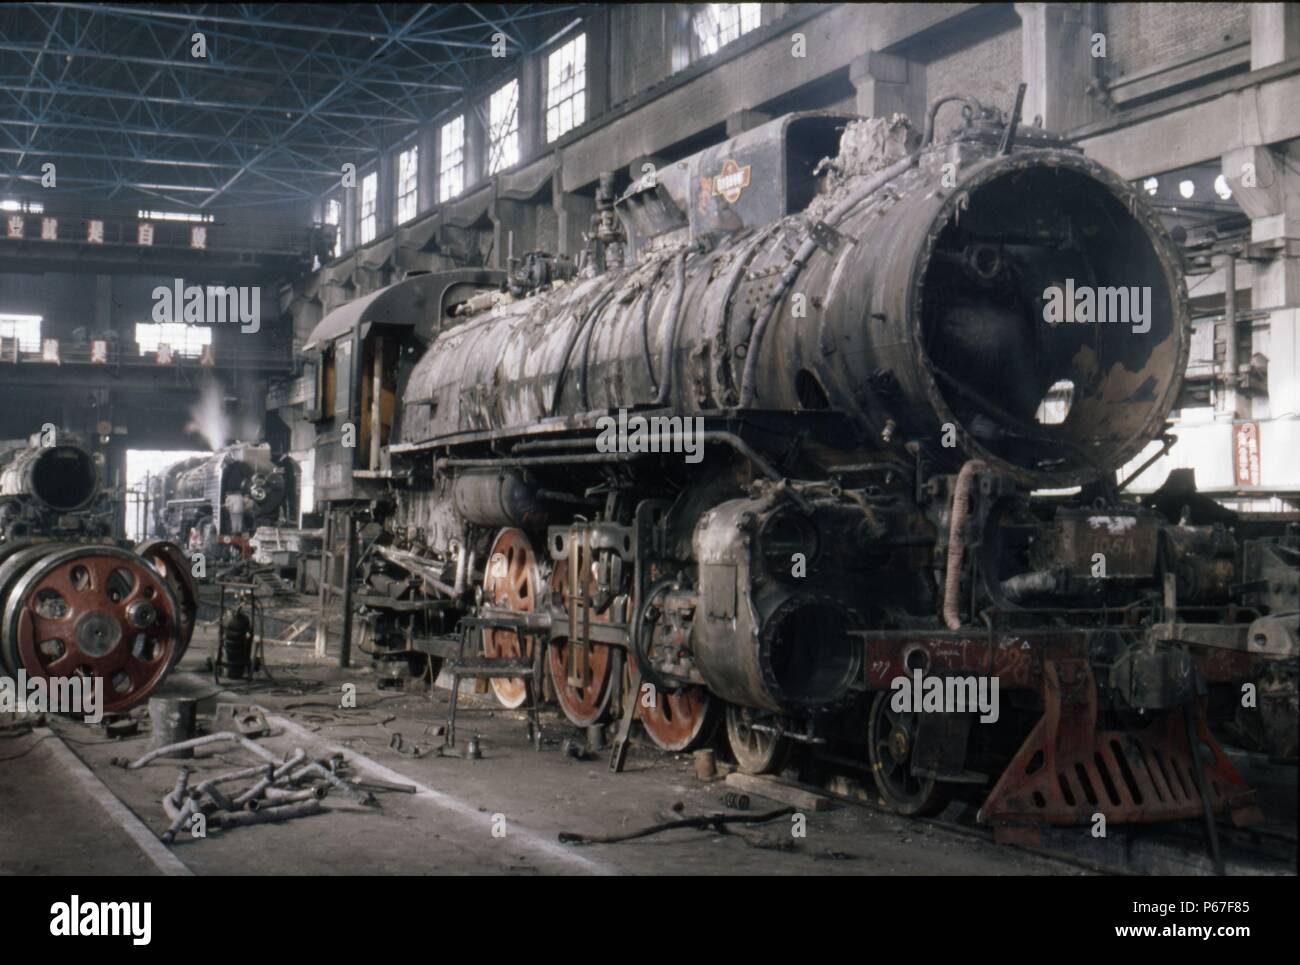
(957,541)
(349,561)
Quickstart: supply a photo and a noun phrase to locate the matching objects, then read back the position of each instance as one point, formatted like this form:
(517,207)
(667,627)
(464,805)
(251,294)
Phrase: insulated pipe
(287,796)
(349,561)
(178,818)
(957,541)
(266,815)
(316,767)
(298,757)
(224,735)
(253,792)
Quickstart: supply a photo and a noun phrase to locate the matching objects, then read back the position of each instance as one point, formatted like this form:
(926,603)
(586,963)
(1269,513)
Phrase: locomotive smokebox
(63,478)
(1043,316)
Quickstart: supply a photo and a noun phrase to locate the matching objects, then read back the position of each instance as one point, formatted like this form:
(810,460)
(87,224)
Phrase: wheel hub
(141,614)
(98,634)
(899,746)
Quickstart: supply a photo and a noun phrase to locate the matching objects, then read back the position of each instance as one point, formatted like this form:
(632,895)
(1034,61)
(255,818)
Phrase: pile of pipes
(279,789)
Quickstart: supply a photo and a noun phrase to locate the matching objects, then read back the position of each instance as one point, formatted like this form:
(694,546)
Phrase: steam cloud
(208,417)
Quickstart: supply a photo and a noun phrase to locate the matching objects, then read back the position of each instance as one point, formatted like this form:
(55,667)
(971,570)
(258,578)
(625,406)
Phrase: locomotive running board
(1067,771)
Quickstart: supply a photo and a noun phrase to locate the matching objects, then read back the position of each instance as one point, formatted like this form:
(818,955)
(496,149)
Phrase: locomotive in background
(214,503)
(906,472)
(77,600)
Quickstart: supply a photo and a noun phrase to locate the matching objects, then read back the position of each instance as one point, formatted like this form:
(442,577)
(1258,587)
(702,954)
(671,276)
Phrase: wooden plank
(778,790)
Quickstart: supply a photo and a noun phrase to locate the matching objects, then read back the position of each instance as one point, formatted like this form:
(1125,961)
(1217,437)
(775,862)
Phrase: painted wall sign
(1245,453)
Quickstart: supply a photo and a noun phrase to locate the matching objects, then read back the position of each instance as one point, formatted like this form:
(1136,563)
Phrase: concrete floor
(52,825)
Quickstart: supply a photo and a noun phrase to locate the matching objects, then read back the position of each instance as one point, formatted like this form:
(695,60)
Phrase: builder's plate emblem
(731,181)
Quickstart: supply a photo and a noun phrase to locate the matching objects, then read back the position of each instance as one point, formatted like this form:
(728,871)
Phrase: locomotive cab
(358,357)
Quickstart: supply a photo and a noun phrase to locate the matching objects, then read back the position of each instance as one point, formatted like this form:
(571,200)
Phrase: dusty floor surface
(51,825)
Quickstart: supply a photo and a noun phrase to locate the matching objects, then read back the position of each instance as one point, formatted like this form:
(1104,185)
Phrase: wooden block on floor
(778,790)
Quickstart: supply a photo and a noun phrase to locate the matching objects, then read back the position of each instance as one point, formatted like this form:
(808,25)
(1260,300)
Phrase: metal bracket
(824,236)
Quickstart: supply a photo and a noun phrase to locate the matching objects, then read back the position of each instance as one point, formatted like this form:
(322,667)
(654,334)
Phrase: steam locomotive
(191,501)
(905,471)
(75,601)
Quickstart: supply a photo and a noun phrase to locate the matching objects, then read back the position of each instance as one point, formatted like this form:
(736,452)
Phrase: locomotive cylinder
(759,641)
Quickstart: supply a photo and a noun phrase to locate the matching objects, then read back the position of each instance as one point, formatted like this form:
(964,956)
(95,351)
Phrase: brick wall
(640,47)
(1141,35)
(988,70)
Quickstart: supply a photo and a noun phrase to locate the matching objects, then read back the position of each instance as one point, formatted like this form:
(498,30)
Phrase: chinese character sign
(1245,453)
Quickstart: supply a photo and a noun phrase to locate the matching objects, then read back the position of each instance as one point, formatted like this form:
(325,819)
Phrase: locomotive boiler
(74,601)
(808,422)
(192,502)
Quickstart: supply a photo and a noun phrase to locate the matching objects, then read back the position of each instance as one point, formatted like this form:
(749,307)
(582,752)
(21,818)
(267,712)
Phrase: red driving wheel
(170,562)
(512,582)
(676,720)
(91,611)
(583,690)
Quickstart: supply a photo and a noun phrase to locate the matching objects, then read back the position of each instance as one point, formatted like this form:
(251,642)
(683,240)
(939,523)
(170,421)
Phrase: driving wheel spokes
(581,674)
(512,582)
(100,613)
(679,720)
(891,739)
(755,742)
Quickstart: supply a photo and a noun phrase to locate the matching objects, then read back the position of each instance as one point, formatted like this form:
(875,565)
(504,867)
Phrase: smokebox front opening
(1048,323)
(64,478)
(814,659)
